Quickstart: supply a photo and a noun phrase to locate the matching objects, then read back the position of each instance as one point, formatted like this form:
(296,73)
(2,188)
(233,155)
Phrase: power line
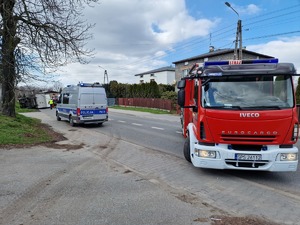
(273,12)
(269,18)
(272,35)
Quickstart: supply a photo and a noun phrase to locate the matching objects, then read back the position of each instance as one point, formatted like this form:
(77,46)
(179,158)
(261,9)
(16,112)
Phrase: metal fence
(111,101)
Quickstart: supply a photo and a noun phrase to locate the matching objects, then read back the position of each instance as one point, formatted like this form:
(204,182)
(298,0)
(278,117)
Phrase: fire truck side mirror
(181,97)
(181,84)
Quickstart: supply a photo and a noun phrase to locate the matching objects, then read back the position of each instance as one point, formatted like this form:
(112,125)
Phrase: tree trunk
(9,43)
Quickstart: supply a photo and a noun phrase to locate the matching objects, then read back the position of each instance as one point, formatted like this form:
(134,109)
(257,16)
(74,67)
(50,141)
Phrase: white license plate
(248,157)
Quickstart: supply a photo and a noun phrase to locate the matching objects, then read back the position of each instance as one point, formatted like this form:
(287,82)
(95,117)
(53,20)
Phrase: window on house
(184,73)
(141,76)
(152,80)
(152,75)
(141,81)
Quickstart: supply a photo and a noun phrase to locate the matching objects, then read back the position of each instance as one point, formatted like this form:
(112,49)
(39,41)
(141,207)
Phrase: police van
(84,103)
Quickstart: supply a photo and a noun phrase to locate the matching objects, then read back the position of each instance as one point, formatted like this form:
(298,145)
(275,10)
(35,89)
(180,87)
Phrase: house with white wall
(164,75)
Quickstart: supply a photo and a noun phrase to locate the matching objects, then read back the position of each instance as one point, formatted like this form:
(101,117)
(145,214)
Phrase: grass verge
(23,131)
(141,109)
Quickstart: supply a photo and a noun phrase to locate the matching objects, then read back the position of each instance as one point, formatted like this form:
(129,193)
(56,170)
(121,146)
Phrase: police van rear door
(93,103)
(100,103)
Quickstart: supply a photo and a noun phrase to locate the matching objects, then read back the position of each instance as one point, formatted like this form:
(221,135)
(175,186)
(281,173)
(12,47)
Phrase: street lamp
(105,75)
(238,34)
(228,4)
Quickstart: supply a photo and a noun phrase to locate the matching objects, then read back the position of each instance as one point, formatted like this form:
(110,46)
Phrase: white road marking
(179,132)
(121,121)
(137,124)
(157,128)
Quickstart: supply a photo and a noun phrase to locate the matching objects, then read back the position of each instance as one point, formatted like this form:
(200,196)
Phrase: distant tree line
(144,90)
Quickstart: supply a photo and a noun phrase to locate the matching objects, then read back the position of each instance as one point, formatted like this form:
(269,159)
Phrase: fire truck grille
(246,164)
(248,138)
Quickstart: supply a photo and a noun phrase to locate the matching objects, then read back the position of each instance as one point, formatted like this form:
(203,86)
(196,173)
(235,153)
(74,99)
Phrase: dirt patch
(226,220)
(68,147)
(188,198)
(248,220)
(55,136)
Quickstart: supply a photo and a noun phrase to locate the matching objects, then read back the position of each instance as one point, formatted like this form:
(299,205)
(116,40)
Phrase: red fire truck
(240,114)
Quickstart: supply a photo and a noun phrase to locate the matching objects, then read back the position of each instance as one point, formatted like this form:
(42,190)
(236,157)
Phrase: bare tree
(57,86)
(42,35)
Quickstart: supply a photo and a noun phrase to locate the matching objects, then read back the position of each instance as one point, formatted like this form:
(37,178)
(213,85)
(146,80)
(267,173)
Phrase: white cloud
(180,27)
(285,49)
(130,36)
(250,9)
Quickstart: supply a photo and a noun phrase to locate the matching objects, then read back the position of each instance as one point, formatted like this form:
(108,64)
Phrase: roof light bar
(84,85)
(96,84)
(237,62)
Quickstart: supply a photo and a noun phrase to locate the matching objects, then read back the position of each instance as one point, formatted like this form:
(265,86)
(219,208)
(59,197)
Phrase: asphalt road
(156,133)
(120,177)
(164,135)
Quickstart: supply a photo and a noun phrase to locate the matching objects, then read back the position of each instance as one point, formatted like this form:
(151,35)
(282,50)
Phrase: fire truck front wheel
(186,150)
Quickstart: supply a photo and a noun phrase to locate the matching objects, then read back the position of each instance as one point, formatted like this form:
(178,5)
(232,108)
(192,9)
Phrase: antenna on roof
(211,48)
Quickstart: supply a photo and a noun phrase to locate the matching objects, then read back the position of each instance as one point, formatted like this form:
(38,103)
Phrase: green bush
(172,95)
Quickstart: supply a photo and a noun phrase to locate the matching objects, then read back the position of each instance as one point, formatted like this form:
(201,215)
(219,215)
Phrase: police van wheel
(186,150)
(71,121)
(57,117)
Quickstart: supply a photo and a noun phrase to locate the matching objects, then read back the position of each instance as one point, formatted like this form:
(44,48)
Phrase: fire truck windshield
(248,92)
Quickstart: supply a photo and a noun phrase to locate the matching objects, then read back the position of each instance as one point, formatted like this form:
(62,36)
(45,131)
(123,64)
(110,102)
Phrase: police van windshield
(246,92)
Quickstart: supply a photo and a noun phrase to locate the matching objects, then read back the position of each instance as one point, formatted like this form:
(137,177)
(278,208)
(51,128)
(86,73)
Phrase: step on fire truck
(240,114)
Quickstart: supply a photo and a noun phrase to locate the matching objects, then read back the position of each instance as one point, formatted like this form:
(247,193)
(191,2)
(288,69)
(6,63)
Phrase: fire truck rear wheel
(186,150)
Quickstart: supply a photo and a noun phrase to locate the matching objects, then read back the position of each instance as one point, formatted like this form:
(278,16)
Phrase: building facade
(164,75)
(182,67)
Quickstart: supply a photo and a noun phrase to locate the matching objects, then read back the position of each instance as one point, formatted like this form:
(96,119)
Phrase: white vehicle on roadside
(84,103)
(42,100)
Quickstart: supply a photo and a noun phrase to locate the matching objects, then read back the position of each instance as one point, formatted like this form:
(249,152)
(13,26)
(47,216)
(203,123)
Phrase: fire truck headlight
(288,157)
(205,153)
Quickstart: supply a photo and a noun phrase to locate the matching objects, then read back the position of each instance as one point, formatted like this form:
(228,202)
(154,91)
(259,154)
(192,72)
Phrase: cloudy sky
(134,36)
